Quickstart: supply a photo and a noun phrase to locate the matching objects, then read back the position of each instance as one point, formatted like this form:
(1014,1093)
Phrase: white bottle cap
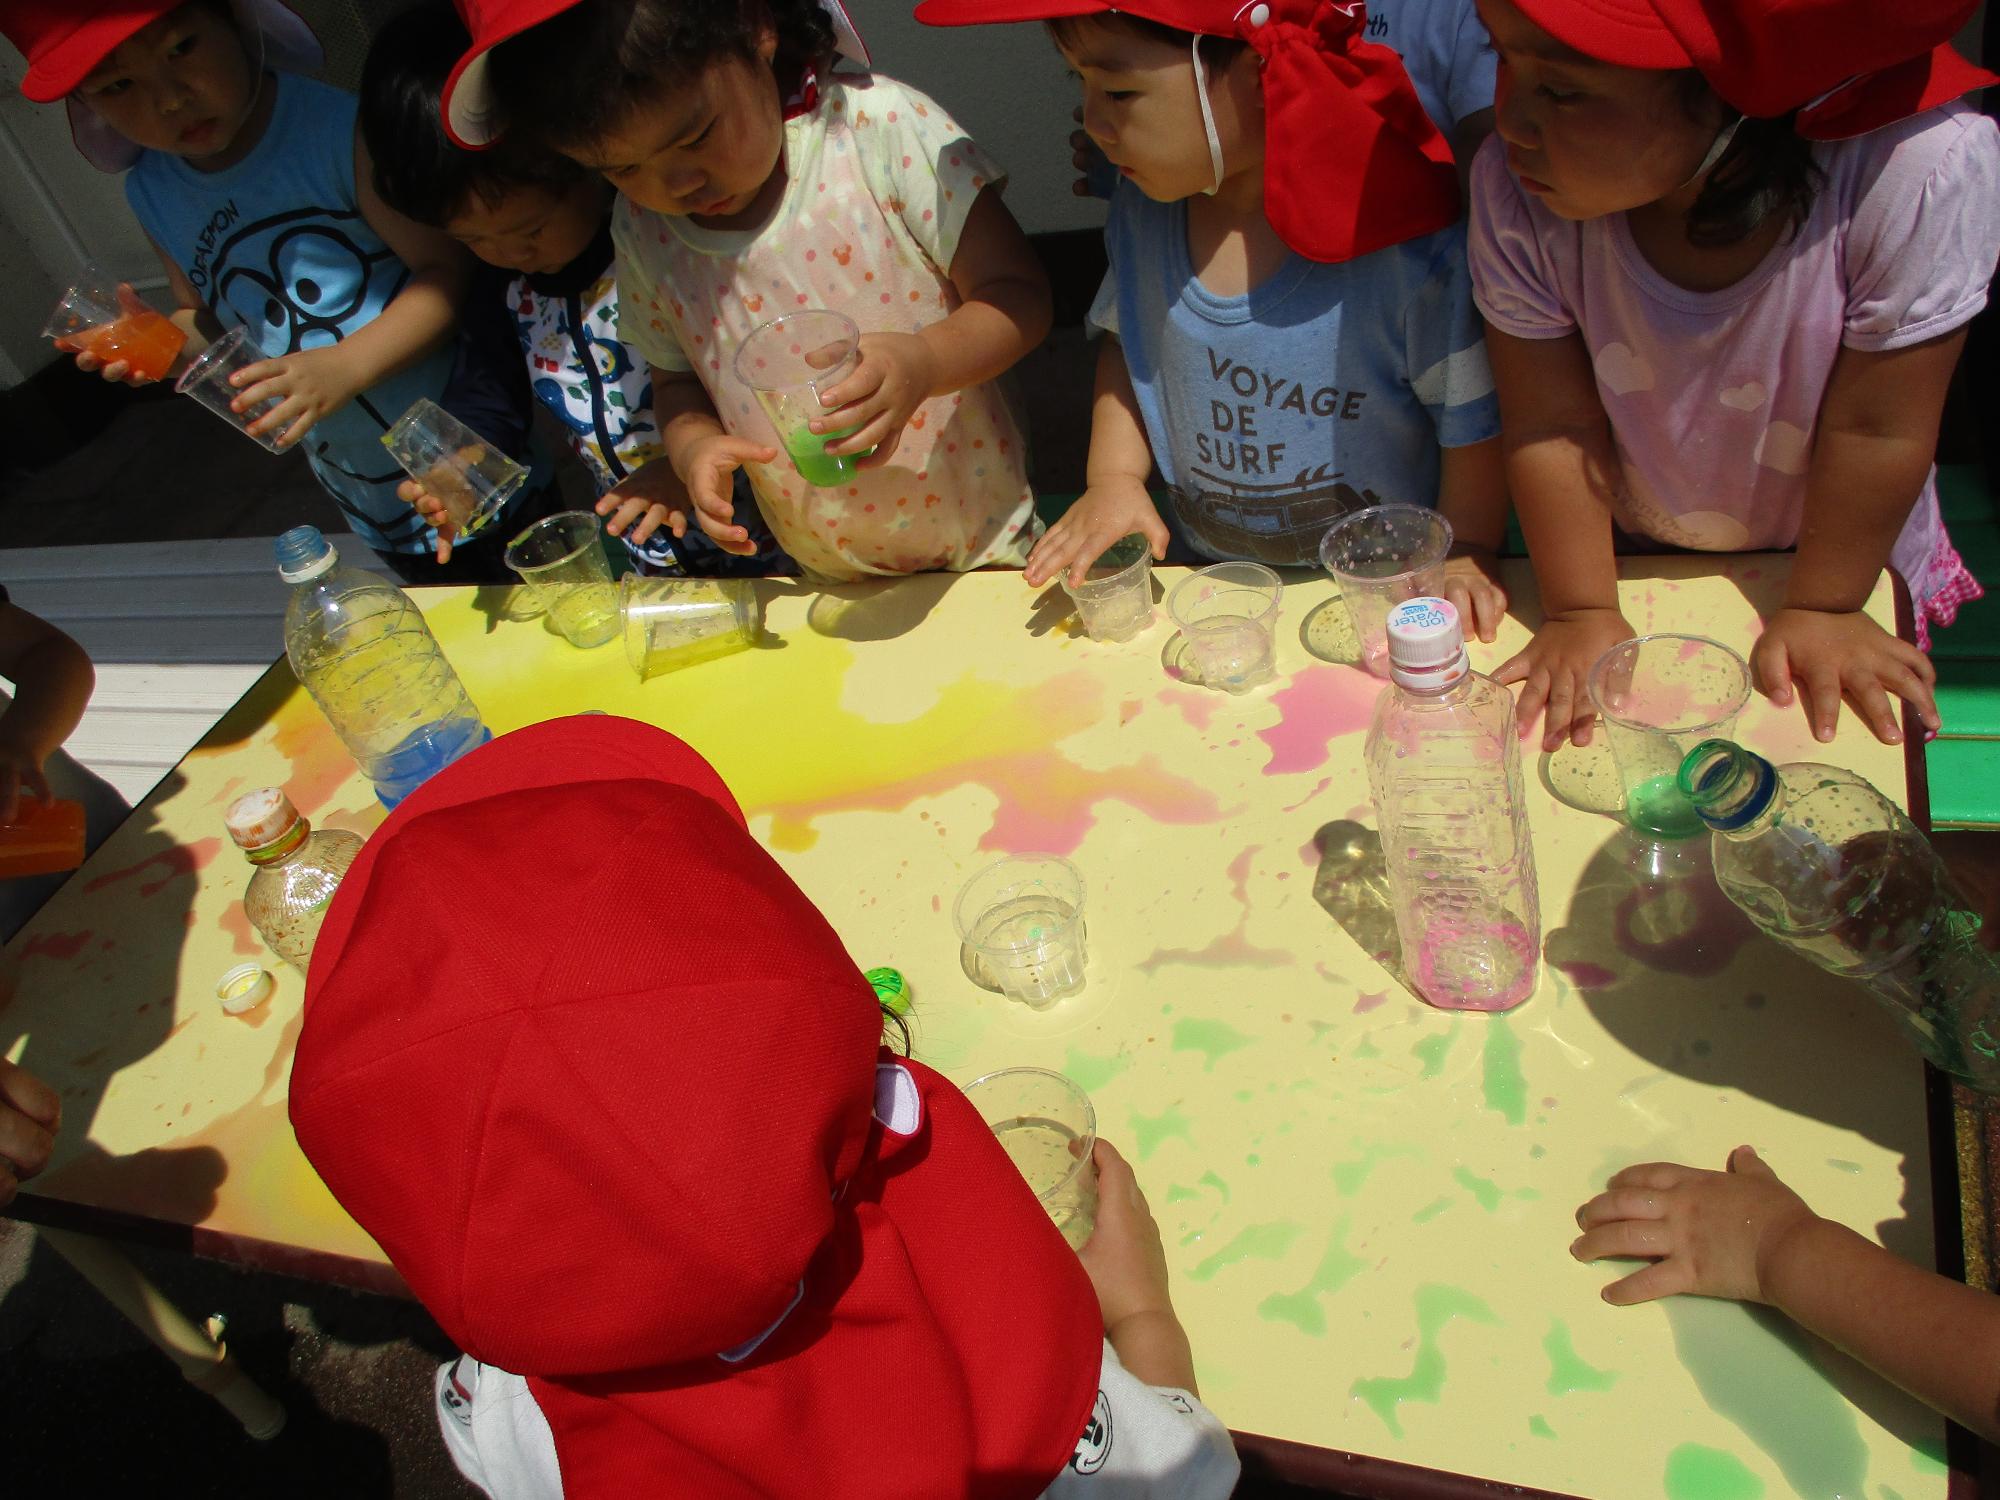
(1426,645)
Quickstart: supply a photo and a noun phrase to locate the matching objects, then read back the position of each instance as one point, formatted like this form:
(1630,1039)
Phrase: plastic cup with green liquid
(1659,696)
(788,362)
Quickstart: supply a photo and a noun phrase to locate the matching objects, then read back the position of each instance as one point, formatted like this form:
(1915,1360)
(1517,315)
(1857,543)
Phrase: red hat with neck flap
(738,1249)
(1352,163)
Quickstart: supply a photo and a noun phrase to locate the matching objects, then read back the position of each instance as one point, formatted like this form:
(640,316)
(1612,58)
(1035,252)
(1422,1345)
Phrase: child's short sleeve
(1473,67)
(1103,315)
(642,323)
(1146,1442)
(1924,231)
(1513,281)
(922,166)
(1446,349)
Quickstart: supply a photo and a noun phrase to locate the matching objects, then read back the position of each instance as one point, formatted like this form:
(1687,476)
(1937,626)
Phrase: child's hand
(1086,158)
(131,304)
(1712,1234)
(30,1115)
(1126,1262)
(434,513)
(1472,584)
(1832,655)
(1555,668)
(651,496)
(896,375)
(307,385)
(20,769)
(1105,513)
(708,468)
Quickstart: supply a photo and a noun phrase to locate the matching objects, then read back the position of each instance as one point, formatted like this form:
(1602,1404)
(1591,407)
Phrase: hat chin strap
(1207,118)
(1723,137)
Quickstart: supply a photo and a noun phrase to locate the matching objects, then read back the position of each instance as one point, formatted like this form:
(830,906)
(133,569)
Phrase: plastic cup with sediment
(93,318)
(671,623)
(1228,616)
(1022,918)
(207,380)
(787,363)
(474,479)
(1048,1129)
(562,558)
(1115,599)
(1659,696)
(1380,557)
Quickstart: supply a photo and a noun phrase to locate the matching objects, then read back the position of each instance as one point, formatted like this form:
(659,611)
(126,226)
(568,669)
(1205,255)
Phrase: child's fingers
(28,1095)
(1652,1176)
(1916,691)
(1490,602)
(864,382)
(866,424)
(444,542)
(1871,705)
(884,451)
(1560,717)
(1115,1179)
(1051,554)
(257,374)
(1819,691)
(277,388)
(1622,1239)
(1771,667)
(1621,1203)
(1664,1278)
(1745,1162)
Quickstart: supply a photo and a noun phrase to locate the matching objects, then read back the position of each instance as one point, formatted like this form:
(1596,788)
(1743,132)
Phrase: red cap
(624,1125)
(1351,161)
(1847,66)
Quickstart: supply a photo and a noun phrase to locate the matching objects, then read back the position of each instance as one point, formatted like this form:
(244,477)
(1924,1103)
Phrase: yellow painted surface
(1366,1202)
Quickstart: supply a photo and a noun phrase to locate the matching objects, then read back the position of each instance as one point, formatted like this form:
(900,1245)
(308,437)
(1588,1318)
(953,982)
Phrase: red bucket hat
(1847,66)
(1351,161)
(468,101)
(678,1185)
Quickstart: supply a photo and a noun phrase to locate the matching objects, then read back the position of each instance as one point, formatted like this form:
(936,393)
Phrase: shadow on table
(1351,884)
(877,610)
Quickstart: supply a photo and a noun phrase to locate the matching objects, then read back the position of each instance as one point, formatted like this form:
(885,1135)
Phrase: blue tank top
(277,244)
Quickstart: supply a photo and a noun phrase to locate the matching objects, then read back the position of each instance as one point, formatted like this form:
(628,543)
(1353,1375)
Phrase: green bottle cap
(891,988)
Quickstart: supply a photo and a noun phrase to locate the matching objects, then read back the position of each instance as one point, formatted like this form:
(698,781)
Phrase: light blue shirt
(1327,388)
(1445,50)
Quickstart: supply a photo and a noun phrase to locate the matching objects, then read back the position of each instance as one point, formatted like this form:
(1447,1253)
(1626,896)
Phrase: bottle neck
(1735,792)
(283,846)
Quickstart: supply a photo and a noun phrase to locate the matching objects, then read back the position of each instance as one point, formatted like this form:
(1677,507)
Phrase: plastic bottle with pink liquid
(1444,767)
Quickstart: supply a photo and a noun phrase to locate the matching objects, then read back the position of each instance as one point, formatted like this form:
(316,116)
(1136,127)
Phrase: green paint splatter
(1178,1194)
(1841,1165)
(1211,1038)
(1348,1176)
(1436,1306)
(1432,1049)
(1366,1048)
(1483,1189)
(1209,1179)
(1150,1130)
(1253,1159)
(1091,1073)
(1506,1087)
(1539,1426)
(1244,1096)
(1928,1458)
(1537,1152)
(1756,1369)
(1259,1242)
(1698,1473)
(1430,1211)
(1301,1309)
(1568,1373)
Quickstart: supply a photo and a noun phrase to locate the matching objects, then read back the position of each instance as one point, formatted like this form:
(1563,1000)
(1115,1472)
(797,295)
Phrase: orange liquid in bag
(44,837)
(146,341)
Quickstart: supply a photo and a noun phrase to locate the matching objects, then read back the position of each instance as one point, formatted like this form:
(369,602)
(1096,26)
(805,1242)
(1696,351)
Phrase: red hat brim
(998,12)
(61,68)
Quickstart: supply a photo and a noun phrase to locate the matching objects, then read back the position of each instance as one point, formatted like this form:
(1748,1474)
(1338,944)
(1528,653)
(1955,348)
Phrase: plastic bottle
(363,651)
(1838,873)
(297,870)
(1444,765)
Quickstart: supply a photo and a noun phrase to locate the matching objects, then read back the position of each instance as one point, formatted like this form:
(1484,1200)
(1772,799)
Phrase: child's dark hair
(895,1031)
(419,172)
(1067,31)
(617,54)
(1768,169)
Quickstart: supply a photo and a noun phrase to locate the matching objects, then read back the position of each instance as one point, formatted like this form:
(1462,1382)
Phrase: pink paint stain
(236,922)
(1196,705)
(61,946)
(1324,783)
(1233,947)
(1370,1002)
(1314,708)
(179,860)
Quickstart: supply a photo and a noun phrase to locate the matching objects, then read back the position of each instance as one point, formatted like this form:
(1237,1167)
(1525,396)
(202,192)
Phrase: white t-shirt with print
(880,181)
(1141,1441)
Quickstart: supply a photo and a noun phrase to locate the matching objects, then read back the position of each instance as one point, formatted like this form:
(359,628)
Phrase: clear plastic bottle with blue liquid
(361,648)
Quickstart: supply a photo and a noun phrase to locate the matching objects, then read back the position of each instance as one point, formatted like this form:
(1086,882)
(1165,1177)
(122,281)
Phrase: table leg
(204,1361)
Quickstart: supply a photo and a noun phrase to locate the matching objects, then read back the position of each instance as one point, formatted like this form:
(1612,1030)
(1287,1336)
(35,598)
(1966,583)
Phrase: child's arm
(52,681)
(1877,436)
(704,456)
(1114,503)
(1472,496)
(1743,1234)
(1004,311)
(315,382)
(1562,470)
(1128,1268)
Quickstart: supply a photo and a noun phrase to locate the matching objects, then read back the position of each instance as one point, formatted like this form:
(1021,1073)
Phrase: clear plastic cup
(562,558)
(1228,616)
(94,319)
(675,622)
(1380,557)
(207,380)
(1022,918)
(1115,599)
(787,363)
(1659,696)
(474,479)
(1048,1129)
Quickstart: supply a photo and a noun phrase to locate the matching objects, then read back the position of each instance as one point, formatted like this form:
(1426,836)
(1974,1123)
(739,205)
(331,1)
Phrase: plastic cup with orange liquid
(104,318)
(43,838)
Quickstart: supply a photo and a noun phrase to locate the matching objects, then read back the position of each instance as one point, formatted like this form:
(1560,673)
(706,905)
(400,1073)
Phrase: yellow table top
(1366,1202)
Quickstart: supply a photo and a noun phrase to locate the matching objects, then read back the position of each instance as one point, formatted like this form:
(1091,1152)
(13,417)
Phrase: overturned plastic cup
(474,479)
(1048,1128)
(787,363)
(1228,616)
(1022,920)
(1660,696)
(561,557)
(671,623)
(1380,557)
(207,380)
(1115,599)
(93,318)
